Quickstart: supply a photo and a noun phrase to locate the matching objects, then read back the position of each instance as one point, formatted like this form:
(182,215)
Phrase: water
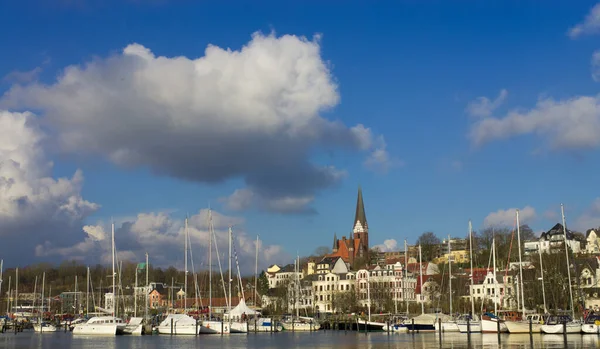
(287,340)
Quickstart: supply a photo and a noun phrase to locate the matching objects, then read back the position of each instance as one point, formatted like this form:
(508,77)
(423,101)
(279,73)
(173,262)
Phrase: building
(386,285)
(355,246)
(498,290)
(279,277)
(553,241)
(593,242)
(334,265)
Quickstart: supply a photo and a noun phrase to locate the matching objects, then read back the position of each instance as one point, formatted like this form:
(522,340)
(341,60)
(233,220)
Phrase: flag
(141,266)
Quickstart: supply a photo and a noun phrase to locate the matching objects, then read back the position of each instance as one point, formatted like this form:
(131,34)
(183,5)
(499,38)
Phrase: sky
(272,114)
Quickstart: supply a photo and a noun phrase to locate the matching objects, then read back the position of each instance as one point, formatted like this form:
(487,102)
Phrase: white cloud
(571,123)
(162,236)
(590,218)
(388,245)
(33,205)
(252,113)
(596,66)
(507,218)
(22,77)
(590,25)
(483,106)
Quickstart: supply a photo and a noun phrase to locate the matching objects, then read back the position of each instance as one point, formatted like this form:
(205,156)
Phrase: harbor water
(289,340)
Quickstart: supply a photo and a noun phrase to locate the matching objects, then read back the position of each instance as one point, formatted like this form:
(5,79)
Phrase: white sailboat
(489,322)
(180,324)
(212,326)
(470,323)
(449,324)
(555,324)
(104,325)
(522,326)
(41,326)
(299,323)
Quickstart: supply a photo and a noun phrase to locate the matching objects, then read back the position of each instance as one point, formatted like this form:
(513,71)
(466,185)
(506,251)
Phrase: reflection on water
(321,339)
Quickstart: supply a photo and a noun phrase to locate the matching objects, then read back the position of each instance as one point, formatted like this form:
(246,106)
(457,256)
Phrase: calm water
(321,339)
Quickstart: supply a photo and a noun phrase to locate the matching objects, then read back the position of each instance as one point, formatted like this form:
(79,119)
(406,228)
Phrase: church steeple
(360,215)
(335,243)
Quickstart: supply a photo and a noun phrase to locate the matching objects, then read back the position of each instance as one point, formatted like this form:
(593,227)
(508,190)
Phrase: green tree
(429,245)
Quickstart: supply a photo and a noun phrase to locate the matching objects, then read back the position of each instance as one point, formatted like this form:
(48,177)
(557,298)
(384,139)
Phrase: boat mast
(87,292)
(75,303)
(520,265)
(421,277)
(562,212)
(405,275)
(16,290)
(114,275)
(369,292)
(9,294)
(210,237)
(255,271)
(42,311)
(472,272)
(229,291)
(135,294)
(147,290)
(543,286)
(298,286)
(450,272)
(496,296)
(185,272)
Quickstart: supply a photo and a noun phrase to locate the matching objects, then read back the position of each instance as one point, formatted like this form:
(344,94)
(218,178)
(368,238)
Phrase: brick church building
(355,246)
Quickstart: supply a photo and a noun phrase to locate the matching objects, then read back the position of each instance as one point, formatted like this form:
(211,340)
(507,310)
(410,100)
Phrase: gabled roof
(330,260)
(556,230)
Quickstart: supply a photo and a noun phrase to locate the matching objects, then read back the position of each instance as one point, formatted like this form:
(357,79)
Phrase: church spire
(360,210)
(335,242)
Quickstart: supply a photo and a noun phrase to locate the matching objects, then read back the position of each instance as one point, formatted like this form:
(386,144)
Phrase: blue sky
(407,71)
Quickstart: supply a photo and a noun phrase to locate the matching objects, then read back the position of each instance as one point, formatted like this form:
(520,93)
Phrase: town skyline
(441,113)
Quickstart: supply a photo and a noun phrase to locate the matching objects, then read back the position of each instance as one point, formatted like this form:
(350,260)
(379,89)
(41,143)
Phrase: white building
(553,241)
(280,277)
(499,291)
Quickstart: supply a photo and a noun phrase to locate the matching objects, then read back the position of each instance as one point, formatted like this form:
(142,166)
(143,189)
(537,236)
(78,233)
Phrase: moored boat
(558,324)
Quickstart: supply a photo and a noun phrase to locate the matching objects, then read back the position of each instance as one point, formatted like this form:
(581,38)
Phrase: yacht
(302,323)
(522,326)
(101,325)
(489,323)
(264,324)
(134,326)
(556,325)
(45,327)
(591,324)
(467,323)
(178,324)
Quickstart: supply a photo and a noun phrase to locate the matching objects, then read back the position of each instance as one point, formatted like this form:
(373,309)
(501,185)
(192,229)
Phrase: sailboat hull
(472,327)
(522,327)
(447,326)
(572,327)
(214,327)
(491,326)
(590,328)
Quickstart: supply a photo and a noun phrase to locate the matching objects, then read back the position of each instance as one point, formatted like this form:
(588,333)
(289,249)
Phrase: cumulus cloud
(590,24)
(388,245)
(483,106)
(33,204)
(570,123)
(596,66)
(163,236)
(21,77)
(252,113)
(507,218)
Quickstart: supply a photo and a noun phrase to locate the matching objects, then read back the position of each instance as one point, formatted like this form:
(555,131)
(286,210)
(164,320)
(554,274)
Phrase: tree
(262,283)
(429,245)
(322,251)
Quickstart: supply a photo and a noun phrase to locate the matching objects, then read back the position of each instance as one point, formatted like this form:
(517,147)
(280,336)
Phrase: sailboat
(299,323)
(235,326)
(449,324)
(211,326)
(104,325)
(42,326)
(555,324)
(180,324)
(469,323)
(489,322)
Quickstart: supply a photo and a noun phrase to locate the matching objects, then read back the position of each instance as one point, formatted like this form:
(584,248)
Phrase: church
(356,246)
